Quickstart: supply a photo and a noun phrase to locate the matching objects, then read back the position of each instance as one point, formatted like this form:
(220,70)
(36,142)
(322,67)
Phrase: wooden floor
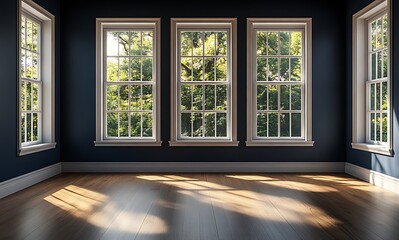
(200,206)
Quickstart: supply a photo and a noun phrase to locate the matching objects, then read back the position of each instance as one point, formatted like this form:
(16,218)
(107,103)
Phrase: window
(203,82)
(279,82)
(36,79)
(371,79)
(128,82)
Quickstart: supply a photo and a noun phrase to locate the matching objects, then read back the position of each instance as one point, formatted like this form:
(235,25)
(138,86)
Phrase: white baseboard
(203,167)
(378,179)
(18,183)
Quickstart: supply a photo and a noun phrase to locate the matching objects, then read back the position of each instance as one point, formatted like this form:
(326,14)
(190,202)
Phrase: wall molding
(378,179)
(24,181)
(203,167)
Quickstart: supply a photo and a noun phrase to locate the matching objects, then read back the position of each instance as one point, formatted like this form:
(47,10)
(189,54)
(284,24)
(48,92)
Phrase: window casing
(128,82)
(279,82)
(203,82)
(372,111)
(36,79)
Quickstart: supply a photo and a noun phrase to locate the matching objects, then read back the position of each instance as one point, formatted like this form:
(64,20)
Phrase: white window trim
(201,23)
(254,24)
(113,23)
(360,75)
(47,66)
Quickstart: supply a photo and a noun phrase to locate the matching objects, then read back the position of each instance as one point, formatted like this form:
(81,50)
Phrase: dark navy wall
(10,164)
(78,80)
(376,162)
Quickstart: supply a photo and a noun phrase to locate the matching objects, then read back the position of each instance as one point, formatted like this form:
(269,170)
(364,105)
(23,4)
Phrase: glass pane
(197,97)
(29,36)
(147,125)
(23,95)
(135,125)
(261,43)
(135,68)
(296,97)
(29,65)
(210,124)
(22,127)
(23,31)
(35,67)
(384,127)
(35,96)
(112,97)
(135,102)
(285,97)
(379,64)
(147,69)
(296,125)
(112,124)
(123,69)
(221,97)
(221,69)
(35,42)
(221,125)
(209,43)
(285,125)
(112,69)
(210,97)
(273,97)
(273,125)
(378,96)
(135,44)
(147,43)
(384,96)
(186,69)
(198,44)
(372,127)
(296,69)
(197,125)
(28,96)
(284,69)
(185,123)
(124,97)
(385,30)
(123,43)
(209,69)
(35,127)
(296,44)
(284,43)
(29,127)
(261,97)
(185,97)
(147,97)
(377,127)
(373,66)
(23,63)
(372,96)
(186,44)
(373,36)
(272,69)
(379,33)
(272,43)
(221,44)
(112,44)
(197,69)
(123,124)
(385,63)
(261,69)
(261,123)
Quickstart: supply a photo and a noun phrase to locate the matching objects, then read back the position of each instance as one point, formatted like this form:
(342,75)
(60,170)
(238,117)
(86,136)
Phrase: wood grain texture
(200,206)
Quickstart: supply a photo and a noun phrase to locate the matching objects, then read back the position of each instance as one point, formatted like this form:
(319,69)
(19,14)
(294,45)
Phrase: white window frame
(102,26)
(360,74)
(177,25)
(46,72)
(280,24)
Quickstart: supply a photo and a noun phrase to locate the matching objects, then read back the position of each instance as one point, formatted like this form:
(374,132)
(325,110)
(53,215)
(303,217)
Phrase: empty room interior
(199,120)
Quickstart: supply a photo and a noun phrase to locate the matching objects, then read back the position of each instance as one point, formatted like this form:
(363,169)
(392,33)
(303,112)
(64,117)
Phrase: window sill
(127,144)
(204,143)
(36,148)
(279,143)
(373,148)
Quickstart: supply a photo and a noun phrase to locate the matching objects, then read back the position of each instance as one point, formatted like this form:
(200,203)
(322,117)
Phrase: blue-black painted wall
(10,164)
(376,162)
(78,101)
